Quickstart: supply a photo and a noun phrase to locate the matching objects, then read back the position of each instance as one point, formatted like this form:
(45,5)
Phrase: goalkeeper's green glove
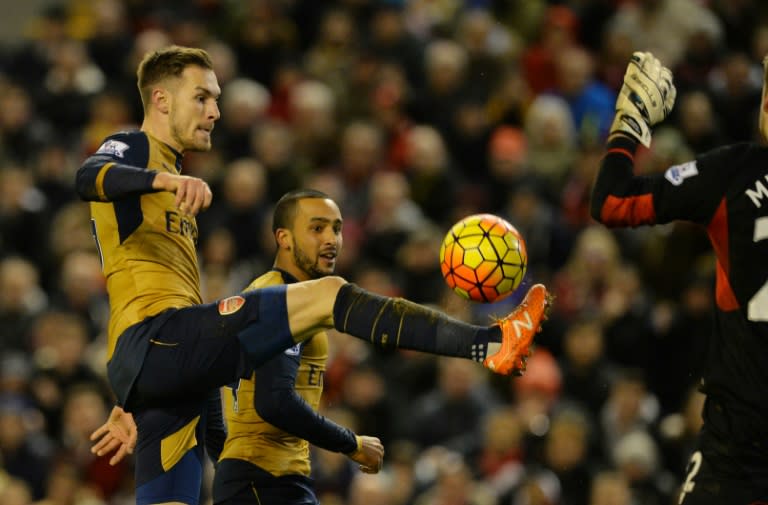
(646,98)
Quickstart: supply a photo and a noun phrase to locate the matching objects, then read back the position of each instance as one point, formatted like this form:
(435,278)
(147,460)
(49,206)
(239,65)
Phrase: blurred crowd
(411,114)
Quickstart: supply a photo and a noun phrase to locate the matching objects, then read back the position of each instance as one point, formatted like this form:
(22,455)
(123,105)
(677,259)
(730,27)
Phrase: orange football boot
(517,332)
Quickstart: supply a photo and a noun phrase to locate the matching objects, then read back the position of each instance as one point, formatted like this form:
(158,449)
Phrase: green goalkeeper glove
(645,99)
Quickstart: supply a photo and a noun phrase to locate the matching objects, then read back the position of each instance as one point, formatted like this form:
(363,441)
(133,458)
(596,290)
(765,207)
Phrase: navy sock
(397,323)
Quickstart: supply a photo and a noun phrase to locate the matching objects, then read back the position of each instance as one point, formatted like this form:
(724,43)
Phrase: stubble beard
(187,145)
(306,265)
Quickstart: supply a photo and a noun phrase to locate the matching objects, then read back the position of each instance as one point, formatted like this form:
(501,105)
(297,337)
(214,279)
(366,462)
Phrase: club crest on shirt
(231,305)
(679,173)
(113,147)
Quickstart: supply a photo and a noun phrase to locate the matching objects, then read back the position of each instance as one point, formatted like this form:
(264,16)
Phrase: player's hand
(369,455)
(646,97)
(118,433)
(192,194)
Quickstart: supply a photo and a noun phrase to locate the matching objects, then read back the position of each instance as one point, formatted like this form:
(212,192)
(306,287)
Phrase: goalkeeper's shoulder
(732,157)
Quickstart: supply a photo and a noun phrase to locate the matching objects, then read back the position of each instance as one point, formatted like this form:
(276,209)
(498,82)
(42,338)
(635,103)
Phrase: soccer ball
(483,258)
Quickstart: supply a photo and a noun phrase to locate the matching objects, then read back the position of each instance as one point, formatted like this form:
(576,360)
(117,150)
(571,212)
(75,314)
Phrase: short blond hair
(165,63)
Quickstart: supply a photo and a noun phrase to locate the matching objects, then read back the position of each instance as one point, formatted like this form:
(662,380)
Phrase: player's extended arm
(192,194)
(107,177)
(647,96)
(276,401)
(102,179)
(620,198)
(117,434)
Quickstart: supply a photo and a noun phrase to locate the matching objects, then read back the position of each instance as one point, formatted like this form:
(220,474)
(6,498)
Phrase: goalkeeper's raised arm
(645,99)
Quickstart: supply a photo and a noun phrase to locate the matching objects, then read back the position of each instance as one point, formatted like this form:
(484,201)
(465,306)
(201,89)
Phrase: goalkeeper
(725,191)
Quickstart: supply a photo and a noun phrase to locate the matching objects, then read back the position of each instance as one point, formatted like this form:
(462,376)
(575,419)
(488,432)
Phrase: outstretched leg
(287,314)
(310,305)
(331,302)
(394,322)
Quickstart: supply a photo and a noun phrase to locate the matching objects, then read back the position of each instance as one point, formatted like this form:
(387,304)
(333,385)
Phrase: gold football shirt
(252,439)
(147,247)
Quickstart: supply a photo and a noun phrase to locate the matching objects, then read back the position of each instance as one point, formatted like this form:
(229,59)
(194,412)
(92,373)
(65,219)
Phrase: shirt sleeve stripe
(619,150)
(100,181)
(628,211)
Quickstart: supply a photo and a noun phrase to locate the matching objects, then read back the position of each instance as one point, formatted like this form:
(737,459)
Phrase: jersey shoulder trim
(127,147)
(729,154)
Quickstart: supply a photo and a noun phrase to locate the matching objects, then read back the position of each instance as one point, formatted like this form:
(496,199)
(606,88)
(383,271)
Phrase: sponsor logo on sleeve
(114,148)
(679,173)
(231,305)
